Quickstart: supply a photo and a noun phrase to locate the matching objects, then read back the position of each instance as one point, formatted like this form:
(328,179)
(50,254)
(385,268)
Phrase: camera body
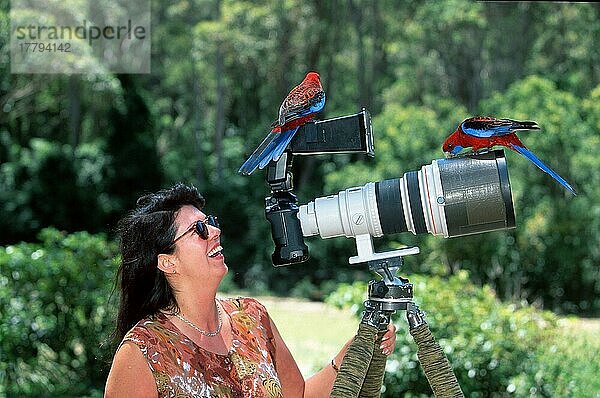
(450,197)
(347,134)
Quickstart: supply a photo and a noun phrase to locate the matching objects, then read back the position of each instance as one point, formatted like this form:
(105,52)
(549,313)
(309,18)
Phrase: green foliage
(308,290)
(55,315)
(77,150)
(495,349)
(553,226)
(51,183)
(563,44)
(568,365)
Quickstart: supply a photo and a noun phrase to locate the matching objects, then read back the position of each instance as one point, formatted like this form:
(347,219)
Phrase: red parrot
(299,106)
(482,132)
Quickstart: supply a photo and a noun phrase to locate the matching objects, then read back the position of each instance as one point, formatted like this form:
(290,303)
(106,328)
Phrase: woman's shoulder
(146,329)
(247,305)
(243,302)
(129,374)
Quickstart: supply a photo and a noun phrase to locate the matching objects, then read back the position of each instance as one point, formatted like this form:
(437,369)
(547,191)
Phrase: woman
(177,339)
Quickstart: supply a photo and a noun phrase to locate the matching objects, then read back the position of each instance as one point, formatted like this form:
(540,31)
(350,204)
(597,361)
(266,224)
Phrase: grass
(314,332)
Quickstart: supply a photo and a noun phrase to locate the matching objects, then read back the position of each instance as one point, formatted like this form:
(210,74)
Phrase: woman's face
(197,257)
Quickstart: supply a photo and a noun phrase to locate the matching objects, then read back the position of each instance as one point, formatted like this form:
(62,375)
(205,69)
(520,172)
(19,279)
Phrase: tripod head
(392,292)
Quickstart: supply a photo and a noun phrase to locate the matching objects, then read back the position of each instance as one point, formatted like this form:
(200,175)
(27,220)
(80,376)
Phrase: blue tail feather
(249,166)
(265,147)
(535,160)
(280,146)
(267,154)
(285,141)
(271,148)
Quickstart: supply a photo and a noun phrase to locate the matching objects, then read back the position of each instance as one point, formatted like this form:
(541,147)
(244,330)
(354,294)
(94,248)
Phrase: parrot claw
(481,151)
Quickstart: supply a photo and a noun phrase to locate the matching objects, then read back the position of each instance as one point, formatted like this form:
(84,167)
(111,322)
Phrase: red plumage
(459,138)
(299,98)
(292,124)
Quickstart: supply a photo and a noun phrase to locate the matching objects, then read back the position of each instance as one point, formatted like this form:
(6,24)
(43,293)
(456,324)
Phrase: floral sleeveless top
(183,369)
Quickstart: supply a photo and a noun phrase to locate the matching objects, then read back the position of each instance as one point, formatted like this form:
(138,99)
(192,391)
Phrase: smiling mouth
(214,252)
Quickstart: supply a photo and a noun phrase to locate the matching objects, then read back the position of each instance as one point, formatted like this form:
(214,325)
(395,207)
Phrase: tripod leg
(374,379)
(433,360)
(356,361)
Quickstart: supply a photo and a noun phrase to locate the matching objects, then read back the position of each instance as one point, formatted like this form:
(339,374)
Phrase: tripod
(361,372)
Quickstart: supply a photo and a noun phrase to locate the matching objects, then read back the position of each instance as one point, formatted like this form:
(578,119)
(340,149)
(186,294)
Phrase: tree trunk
(284,54)
(197,110)
(379,59)
(357,20)
(74,90)
(220,111)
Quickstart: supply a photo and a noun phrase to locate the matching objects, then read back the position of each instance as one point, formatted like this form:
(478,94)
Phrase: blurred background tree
(77,150)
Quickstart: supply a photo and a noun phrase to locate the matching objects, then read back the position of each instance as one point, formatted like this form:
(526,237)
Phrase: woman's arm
(292,381)
(321,383)
(130,375)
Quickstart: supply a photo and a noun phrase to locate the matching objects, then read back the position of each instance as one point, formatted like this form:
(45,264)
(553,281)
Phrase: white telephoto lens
(449,197)
(350,213)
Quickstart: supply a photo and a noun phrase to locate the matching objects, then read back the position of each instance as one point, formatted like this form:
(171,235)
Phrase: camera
(448,197)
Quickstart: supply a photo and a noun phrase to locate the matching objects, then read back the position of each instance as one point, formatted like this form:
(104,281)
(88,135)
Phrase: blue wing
(279,146)
(316,106)
(271,148)
(486,127)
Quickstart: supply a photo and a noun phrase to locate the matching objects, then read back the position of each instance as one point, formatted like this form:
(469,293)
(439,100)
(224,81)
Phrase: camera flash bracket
(279,176)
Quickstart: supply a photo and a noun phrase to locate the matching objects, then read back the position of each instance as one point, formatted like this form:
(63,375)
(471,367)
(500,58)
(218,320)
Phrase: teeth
(215,251)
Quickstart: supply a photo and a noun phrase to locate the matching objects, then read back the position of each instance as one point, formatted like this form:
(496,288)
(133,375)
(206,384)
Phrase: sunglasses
(200,227)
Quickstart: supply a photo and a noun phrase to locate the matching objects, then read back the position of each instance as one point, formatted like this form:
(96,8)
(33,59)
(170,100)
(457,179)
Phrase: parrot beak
(449,155)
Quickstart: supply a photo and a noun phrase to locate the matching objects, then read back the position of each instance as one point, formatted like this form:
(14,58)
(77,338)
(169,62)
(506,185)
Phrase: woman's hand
(388,342)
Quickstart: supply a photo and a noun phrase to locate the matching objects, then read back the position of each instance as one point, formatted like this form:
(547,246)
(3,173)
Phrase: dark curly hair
(144,233)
